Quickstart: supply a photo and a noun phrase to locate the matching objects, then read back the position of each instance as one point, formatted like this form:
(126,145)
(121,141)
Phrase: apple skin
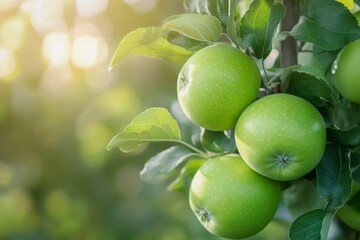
(346,72)
(216,84)
(349,216)
(348,213)
(281,136)
(231,200)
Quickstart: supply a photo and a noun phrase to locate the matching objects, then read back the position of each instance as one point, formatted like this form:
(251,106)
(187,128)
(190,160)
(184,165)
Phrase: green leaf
(218,142)
(326,225)
(217,8)
(196,26)
(326,58)
(259,24)
(334,177)
(301,197)
(306,83)
(185,42)
(150,42)
(355,165)
(327,23)
(345,115)
(308,226)
(165,162)
(183,181)
(152,125)
(350,138)
(224,10)
(231,24)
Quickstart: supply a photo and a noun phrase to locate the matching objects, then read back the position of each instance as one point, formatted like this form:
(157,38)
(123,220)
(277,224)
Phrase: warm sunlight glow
(7,62)
(12,32)
(142,6)
(47,15)
(90,8)
(57,79)
(85,51)
(8,5)
(56,47)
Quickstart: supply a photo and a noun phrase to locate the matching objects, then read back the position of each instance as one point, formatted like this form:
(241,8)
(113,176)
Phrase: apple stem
(201,153)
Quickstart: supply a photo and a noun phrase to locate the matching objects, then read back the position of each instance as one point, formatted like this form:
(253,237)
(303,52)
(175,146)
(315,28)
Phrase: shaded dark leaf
(334,177)
(308,226)
(350,138)
(327,23)
(259,24)
(345,115)
(309,85)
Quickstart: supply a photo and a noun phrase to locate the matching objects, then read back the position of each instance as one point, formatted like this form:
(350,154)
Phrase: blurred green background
(59,107)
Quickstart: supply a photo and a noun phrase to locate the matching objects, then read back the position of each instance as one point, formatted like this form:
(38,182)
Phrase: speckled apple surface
(216,84)
(281,136)
(231,200)
(346,69)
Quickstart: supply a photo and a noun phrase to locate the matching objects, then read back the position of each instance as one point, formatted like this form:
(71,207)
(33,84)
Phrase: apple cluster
(279,137)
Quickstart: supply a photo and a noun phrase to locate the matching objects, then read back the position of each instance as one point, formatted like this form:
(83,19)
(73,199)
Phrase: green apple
(230,199)
(346,72)
(281,136)
(216,84)
(350,212)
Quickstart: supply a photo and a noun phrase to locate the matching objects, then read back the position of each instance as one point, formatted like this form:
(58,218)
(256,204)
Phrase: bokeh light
(142,6)
(56,47)
(85,51)
(13,32)
(91,8)
(7,62)
(47,15)
(59,108)
(6,5)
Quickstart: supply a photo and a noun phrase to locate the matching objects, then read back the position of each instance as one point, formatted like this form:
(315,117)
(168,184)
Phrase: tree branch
(289,48)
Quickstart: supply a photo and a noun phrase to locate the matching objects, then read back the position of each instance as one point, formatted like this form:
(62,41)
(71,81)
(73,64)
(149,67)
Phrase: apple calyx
(184,82)
(283,160)
(204,215)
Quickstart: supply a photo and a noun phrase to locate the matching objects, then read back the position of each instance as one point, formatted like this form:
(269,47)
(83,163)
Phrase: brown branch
(289,48)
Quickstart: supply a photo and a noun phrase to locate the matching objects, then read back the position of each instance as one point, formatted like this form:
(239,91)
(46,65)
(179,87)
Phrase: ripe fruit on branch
(350,213)
(281,136)
(231,200)
(346,72)
(216,84)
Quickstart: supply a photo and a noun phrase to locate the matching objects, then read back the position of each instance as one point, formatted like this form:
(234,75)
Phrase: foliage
(327,26)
